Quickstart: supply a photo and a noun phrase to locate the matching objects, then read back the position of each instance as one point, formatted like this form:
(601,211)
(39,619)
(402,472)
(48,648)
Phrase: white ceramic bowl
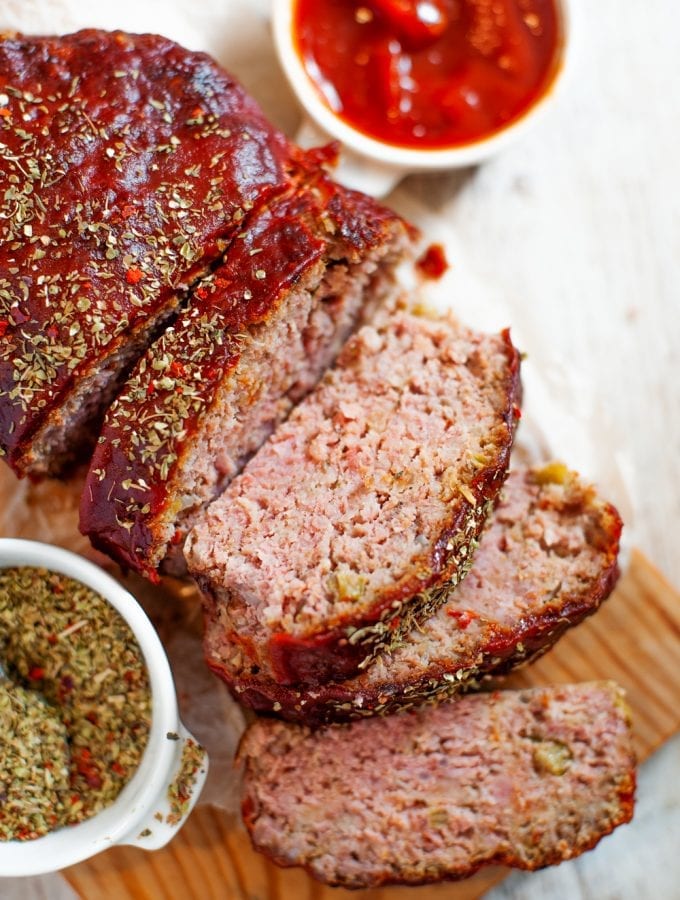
(146,794)
(375,167)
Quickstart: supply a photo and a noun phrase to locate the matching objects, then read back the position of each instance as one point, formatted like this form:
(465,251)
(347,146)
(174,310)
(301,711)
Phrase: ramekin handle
(353,171)
(160,825)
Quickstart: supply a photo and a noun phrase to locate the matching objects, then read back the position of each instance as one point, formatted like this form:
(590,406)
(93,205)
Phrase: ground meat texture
(547,559)
(129,164)
(256,336)
(358,516)
(524,779)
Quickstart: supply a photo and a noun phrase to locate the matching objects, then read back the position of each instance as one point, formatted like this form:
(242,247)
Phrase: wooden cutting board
(634,639)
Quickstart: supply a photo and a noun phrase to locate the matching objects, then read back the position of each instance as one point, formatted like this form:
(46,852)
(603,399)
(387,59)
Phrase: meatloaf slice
(523,779)
(546,560)
(360,514)
(255,337)
(129,163)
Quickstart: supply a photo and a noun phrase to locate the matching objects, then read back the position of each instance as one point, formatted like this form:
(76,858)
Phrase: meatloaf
(256,335)
(360,514)
(129,166)
(523,779)
(546,560)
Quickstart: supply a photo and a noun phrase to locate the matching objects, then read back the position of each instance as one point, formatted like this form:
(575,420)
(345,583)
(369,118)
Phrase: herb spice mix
(75,709)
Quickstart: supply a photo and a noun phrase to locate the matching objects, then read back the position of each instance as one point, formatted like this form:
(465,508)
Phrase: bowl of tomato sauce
(416,85)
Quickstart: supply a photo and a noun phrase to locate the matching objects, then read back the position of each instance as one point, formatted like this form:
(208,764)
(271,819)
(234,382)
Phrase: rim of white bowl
(406,158)
(74,843)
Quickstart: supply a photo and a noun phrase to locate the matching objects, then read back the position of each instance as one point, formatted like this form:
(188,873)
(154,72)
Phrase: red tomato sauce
(433,263)
(429,74)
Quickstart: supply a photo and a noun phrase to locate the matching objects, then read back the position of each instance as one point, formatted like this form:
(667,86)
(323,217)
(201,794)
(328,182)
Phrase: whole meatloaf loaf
(256,336)
(360,514)
(546,560)
(523,779)
(129,164)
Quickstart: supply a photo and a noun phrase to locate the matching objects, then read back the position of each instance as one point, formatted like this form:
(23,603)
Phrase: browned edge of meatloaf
(502,649)
(341,652)
(131,507)
(624,787)
(506,651)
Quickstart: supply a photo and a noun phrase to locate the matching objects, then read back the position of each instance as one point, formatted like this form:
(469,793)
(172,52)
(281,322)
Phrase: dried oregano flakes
(75,709)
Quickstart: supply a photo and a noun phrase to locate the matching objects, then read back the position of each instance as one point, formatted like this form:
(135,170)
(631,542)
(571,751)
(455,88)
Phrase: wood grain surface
(634,639)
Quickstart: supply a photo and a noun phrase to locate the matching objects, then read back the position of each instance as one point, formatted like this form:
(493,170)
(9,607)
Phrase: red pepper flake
(117,768)
(127,211)
(87,769)
(197,112)
(517,412)
(432,263)
(177,369)
(5,112)
(201,293)
(66,686)
(4,325)
(462,616)
(36,673)
(134,275)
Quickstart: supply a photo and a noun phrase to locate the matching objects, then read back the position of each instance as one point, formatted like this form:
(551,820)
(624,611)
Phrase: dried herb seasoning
(179,792)
(75,672)
(34,763)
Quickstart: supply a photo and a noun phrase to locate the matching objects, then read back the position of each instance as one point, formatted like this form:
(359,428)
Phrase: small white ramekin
(375,167)
(144,800)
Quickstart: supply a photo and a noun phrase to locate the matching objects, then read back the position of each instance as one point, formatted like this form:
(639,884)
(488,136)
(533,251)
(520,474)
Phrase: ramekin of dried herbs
(92,751)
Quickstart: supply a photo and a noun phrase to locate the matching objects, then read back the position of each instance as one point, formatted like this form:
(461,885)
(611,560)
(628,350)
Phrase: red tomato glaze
(432,263)
(428,73)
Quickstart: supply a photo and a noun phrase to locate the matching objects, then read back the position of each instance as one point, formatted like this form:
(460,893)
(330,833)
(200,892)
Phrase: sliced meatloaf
(129,164)
(360,514)
(546,560)
(523,779)
(256,335)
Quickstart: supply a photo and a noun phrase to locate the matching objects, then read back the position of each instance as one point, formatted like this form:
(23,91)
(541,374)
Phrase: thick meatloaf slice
(523,779)
(359,515)
(255,338)
(129,164)
(546,560)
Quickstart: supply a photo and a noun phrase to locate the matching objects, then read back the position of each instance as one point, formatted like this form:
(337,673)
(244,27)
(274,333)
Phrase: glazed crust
(131,163)
(136,473)
(494,647)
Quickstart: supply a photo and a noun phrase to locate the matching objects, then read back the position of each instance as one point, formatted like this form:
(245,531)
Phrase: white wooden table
(576,230)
